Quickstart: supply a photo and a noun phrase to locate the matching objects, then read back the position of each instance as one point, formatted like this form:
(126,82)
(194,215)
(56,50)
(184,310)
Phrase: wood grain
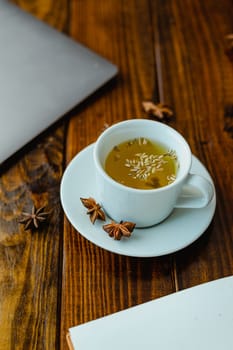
(198,83)
(29,261)
(169,51)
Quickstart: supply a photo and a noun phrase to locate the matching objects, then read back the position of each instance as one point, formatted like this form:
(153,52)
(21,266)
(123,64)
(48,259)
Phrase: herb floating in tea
(34,219)
(94,209)
(118,230)
(142,164)
(159,110)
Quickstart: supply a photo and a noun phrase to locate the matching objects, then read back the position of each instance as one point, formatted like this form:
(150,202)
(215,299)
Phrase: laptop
(43,75)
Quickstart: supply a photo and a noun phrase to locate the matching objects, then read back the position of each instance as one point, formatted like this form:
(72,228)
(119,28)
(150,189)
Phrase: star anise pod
(117,230)
(229,39)
(94,209)
(33,219)
(159,110)
(229,46)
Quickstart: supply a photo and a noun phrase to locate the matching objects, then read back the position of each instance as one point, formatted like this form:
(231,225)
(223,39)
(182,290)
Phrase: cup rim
(128,188)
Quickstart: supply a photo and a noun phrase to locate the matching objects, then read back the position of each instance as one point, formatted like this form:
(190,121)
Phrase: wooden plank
(30,262)
(96,282)
(198,83)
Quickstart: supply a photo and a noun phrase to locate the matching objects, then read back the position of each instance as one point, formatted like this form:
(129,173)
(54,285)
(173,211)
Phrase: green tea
(141,163)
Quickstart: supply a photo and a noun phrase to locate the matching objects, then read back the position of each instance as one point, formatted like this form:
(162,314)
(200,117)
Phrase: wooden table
(172,52)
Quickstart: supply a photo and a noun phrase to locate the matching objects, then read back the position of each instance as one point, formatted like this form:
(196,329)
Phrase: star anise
(33,219)
(159,110)
(229,46)
(229,39)
(94,209)
(117,230)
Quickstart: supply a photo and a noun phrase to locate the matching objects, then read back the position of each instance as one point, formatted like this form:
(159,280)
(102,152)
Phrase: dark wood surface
(168,51)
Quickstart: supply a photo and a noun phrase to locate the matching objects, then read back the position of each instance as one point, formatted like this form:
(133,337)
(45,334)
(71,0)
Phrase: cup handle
(197,192)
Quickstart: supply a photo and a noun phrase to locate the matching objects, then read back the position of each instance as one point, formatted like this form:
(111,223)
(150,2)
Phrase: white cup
(148,207)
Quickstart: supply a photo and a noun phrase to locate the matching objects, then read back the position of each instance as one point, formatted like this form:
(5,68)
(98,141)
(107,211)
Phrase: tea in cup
(142,163)
(143,172)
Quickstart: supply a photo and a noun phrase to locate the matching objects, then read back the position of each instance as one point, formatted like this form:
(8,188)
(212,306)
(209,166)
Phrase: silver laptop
(43,75)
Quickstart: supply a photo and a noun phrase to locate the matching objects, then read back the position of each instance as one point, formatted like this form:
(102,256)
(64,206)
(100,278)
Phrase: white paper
(200,318)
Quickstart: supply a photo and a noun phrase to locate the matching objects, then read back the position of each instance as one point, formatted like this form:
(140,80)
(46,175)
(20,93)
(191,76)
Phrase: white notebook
(198,318)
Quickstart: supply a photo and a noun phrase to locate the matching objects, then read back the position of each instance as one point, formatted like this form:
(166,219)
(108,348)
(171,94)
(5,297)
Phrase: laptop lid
(43,75)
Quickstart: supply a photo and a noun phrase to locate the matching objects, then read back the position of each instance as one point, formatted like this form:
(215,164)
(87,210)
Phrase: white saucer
(179,230)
